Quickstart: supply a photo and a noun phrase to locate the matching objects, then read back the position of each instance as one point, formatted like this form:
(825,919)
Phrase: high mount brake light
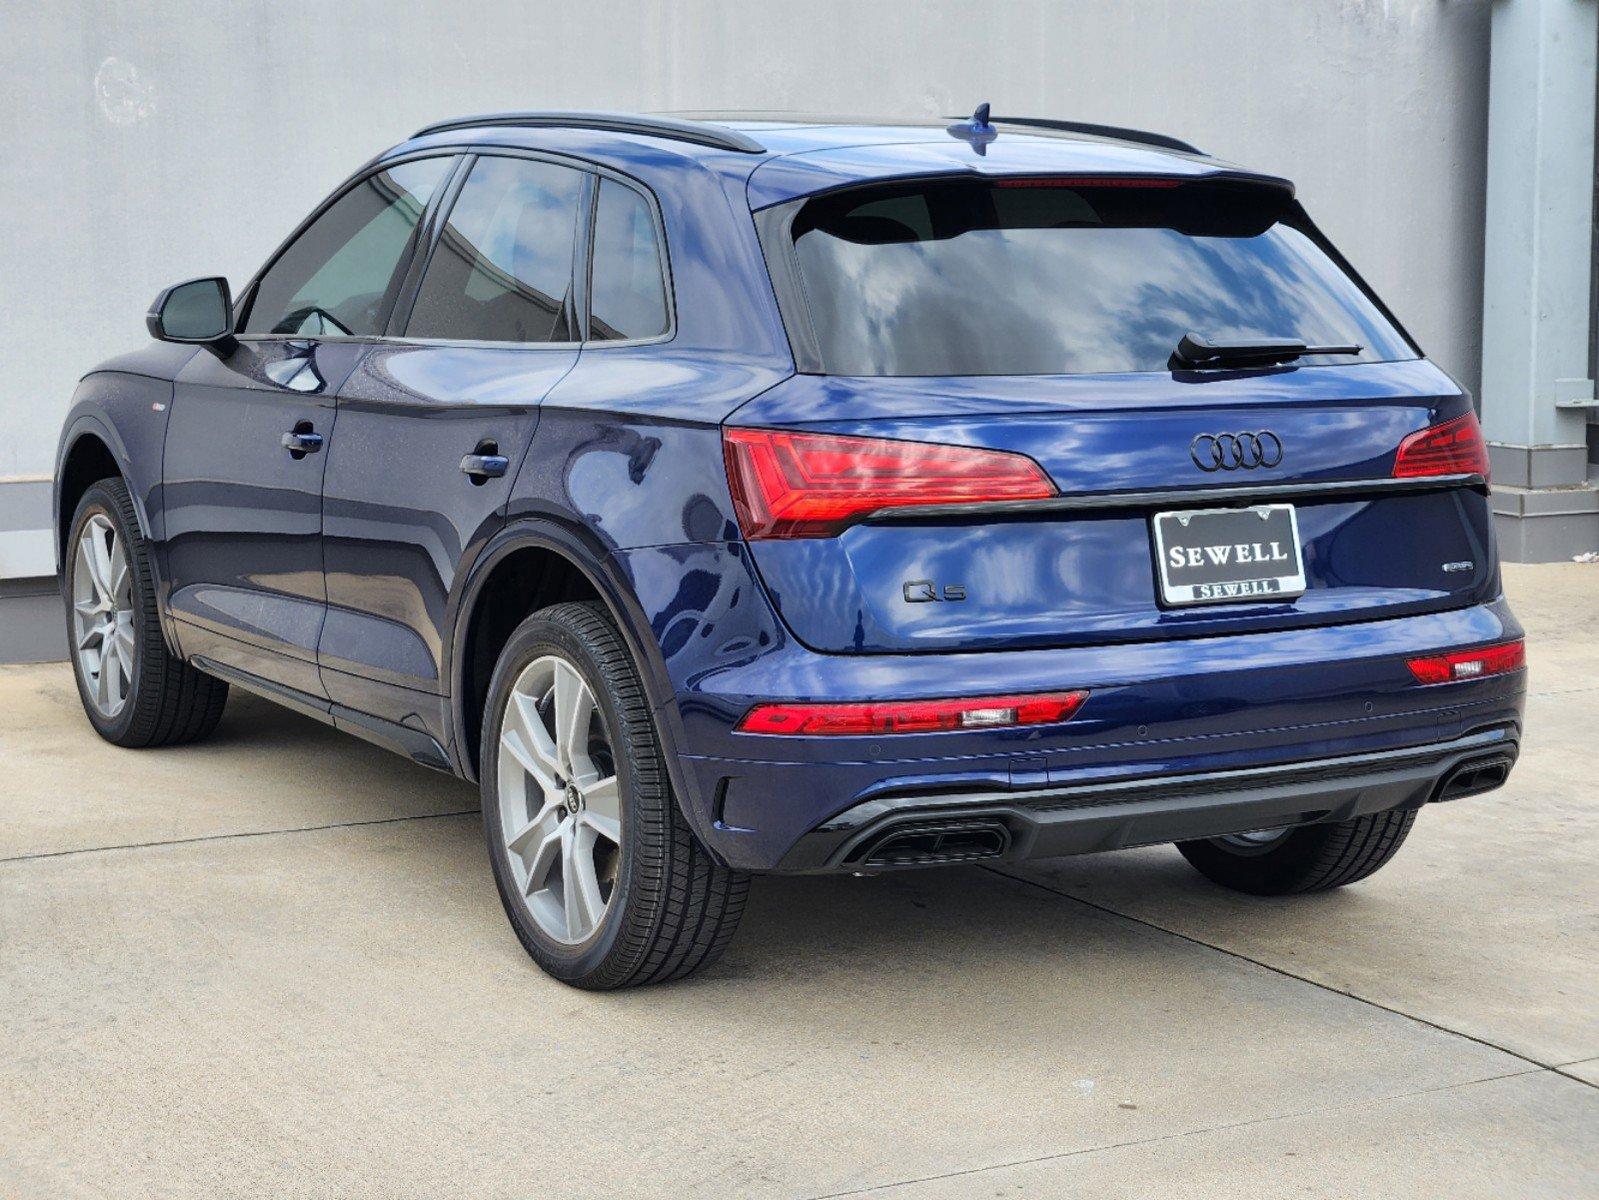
(1452,448)
(874,717)
(1087,181)
(1459,665)
(810,485)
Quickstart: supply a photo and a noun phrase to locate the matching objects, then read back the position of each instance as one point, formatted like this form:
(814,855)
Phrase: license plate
(1227,555)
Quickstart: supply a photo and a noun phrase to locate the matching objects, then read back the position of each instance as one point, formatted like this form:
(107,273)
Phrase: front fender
(143,478)
(128,415)
(126,402)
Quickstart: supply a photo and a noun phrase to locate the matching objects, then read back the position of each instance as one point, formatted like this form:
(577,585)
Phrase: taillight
(873,717)
(1459,665)
(809,485)
(1453,448)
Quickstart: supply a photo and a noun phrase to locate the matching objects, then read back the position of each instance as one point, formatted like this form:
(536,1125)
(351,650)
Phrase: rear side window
(627,288)
(339,276)
(1040,276)
(502,268)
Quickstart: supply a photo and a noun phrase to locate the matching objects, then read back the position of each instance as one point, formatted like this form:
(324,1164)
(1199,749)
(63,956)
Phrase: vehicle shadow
(965,926)
(1029,925)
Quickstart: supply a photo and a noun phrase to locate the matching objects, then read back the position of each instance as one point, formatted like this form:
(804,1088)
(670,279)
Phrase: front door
(252,425)
(433,425)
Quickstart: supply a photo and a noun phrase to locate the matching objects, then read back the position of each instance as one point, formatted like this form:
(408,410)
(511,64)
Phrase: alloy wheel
(1255,840)
(560,807)
(102,615)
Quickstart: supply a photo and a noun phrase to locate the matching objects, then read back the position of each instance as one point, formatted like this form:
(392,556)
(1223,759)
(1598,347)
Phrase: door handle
(301,442)
(480,467)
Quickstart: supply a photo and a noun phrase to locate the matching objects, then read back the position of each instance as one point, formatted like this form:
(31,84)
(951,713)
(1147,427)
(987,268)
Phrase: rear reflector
(1453,448)
(1459,665)
(810,485)
(912,716)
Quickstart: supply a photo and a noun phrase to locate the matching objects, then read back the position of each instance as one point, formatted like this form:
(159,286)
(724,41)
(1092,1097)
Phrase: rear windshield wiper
(1196,351)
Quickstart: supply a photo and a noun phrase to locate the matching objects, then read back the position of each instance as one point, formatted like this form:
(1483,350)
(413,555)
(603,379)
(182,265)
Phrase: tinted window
(337,276)
(1037,277)
(502,269)
(627,293)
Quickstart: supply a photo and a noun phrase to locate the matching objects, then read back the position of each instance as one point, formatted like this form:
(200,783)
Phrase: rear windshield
(1041,276)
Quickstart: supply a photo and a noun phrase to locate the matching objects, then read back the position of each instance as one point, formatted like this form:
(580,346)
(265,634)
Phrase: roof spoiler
(1119,132)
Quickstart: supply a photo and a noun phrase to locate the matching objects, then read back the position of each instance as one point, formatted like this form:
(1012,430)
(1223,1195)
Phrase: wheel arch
(90,452)
(570,565)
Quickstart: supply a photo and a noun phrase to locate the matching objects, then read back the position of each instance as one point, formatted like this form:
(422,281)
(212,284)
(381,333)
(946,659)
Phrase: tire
(1311,858)
(667,909)
(163,700)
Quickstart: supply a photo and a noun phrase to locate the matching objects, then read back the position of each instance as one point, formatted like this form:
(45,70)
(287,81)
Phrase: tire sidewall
(1311,858)
(1270,870)
(536,637)
(103,499)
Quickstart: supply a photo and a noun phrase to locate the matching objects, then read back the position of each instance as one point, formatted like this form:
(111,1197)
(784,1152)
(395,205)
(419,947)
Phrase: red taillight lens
(1469,664)
(912,716)
(800,485)
(1453,448)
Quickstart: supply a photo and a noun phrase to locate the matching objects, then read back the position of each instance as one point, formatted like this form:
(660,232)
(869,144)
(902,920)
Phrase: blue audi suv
(807,495)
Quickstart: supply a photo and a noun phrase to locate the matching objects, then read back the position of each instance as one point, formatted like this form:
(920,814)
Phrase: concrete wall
(146,142)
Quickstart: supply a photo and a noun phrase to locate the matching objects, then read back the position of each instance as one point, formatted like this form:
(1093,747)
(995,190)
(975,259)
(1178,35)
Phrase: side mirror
(198,310)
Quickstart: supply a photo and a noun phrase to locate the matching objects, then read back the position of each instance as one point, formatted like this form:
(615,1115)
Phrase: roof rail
(1109,131)
(699,132)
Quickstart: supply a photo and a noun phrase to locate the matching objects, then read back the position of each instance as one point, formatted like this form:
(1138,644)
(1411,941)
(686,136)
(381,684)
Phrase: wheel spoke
(100,557)
(602,808)
(122,640)
(539,739)
(513,742)
(551,735)
(102,614)
(573,704)
(529,833)
(524,738)
(608,828)
(119,575)
(107,666)
(85,568)
(581,884)
(538,845)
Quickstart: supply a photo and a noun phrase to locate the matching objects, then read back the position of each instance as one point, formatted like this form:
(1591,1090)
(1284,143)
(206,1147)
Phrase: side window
(336,276)
(627,292)
(502,268)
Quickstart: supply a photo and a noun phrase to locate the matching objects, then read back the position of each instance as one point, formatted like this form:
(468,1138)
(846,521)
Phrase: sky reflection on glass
(1080,298)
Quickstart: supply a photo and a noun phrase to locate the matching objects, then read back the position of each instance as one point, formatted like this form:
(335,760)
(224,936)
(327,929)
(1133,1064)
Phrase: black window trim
(662,251)
(582,264)
(397,328)
(422,252)
(242,306)
(431,224)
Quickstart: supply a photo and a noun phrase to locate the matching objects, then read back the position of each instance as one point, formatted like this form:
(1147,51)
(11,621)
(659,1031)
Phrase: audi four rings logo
(1236,451)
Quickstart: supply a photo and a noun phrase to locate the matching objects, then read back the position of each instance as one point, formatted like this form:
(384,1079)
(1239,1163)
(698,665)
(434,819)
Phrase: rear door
(252,425)
(1038,317)
(434,422)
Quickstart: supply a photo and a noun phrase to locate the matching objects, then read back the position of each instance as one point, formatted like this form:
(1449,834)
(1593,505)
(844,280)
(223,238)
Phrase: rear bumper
(1157,710)
(919,830)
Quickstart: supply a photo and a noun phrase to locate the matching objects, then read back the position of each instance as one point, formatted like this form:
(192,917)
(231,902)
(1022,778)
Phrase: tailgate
(1082,568)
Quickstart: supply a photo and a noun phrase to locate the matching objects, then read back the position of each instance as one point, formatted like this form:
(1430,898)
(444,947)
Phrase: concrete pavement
(275,963)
